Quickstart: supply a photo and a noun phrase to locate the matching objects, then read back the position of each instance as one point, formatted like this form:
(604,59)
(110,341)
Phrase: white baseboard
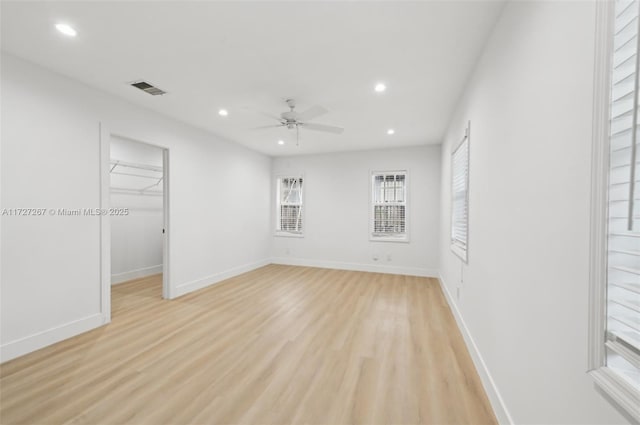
(135,274)
(496,400)
(194,285)
(22,346)
(375,268)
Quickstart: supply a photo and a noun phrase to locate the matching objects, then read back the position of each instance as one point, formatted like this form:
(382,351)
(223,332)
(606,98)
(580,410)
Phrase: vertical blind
(290,204)
(623,250)
(389,199)
(460,198)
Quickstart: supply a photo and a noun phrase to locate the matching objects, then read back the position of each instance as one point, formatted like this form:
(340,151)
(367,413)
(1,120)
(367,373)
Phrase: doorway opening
(135,231)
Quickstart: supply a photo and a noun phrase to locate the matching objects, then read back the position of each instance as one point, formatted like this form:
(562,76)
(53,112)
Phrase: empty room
(320,212)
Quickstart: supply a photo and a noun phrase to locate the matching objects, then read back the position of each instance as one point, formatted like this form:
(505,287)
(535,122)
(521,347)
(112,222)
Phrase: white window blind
(623,250)
(289,205)
(460,198)
(389,205)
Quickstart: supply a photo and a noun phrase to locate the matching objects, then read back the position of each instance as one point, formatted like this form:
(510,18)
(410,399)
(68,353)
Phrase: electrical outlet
(375,257)
(286,251)
(388,257)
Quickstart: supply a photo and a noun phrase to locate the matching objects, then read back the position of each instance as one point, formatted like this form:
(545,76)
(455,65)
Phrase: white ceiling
(238,55)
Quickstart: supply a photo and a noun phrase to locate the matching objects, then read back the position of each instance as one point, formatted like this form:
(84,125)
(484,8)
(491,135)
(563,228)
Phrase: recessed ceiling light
(380,87)
(281,142)
(66,30)
(223,112)
(391,131)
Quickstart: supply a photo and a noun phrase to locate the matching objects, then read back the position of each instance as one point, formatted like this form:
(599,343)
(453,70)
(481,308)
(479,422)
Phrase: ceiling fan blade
(311,113)
(262,127)
(264,114)
(323,127)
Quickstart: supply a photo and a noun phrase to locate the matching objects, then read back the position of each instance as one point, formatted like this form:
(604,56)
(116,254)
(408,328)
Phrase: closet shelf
(117,163)
(145,171)
(128,191)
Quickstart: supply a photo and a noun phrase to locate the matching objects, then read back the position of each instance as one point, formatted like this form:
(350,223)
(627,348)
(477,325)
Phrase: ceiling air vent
(148,88)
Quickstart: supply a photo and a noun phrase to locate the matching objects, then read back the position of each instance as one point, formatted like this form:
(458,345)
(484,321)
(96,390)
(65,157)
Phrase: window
(389,206)
(460,197)
(289,200)
(615,243)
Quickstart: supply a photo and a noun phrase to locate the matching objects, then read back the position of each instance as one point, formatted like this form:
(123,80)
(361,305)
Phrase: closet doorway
(137,223)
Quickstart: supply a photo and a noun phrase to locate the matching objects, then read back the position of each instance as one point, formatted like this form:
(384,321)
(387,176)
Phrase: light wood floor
(278,345)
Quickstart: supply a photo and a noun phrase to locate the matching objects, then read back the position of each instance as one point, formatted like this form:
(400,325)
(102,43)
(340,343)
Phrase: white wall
(50,282)
(136,237)
(525,290)
(337,191)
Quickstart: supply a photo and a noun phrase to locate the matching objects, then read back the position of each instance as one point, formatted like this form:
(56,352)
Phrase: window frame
(382,237)
(615,387)
(462,253)
(286,233)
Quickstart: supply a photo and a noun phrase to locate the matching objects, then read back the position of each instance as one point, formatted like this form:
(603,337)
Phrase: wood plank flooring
(278,345)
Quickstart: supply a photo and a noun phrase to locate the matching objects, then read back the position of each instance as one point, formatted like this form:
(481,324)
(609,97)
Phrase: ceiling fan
(294,120)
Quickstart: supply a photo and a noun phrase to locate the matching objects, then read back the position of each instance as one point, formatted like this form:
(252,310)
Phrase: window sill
(404,239)
(288,235)
(627,397)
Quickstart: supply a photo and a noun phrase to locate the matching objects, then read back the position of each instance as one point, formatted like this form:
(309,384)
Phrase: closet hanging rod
(117,163)
(135,175)
(128,191)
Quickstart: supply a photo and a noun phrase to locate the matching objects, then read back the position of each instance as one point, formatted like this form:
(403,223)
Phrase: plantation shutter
(389,204)
(290,204)
(460,198)
(623,269)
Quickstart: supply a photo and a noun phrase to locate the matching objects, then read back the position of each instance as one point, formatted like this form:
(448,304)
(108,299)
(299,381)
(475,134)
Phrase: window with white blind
(389,206)
(615,302)
(460,198)
(289,206)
